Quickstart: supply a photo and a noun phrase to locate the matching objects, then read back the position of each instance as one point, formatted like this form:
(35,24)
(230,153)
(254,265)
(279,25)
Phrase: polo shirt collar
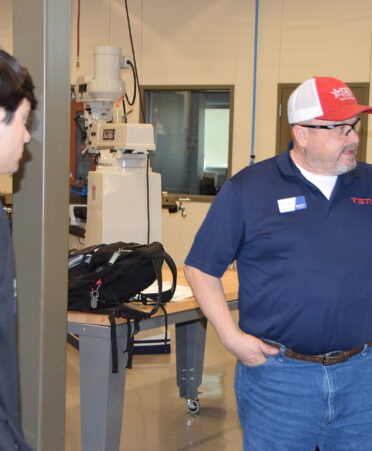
(287,167)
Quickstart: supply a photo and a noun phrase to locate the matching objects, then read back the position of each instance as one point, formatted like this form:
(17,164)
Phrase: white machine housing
(106,84)
(126,138)
(117,203)
(124,195)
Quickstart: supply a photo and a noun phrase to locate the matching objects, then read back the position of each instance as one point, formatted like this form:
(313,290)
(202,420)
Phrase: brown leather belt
(324,359)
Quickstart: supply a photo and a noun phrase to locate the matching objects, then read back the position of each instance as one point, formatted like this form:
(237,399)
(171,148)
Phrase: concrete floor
(155,418)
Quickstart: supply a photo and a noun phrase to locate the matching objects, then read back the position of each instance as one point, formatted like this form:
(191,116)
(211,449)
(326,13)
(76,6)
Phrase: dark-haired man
(16,101)
(299,226)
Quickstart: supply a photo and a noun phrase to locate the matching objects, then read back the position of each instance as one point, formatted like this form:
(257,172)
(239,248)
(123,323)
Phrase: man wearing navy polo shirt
(300,228)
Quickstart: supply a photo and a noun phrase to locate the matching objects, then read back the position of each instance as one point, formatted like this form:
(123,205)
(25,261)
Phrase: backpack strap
(123,311)
(167,295)
(114,343)
(130,339)
(166,327)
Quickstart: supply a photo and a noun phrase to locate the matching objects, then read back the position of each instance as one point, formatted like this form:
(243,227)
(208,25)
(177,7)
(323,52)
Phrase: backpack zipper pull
(117,254)
(114,257)
(94,294)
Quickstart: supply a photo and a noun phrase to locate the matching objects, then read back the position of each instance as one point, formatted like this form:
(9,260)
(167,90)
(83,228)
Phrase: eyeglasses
(342,129)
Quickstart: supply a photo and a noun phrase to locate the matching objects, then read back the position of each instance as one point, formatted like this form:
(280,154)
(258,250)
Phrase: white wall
(299,39)
(211,42)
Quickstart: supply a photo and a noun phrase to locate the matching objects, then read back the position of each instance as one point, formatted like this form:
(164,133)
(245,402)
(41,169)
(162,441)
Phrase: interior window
(192,135)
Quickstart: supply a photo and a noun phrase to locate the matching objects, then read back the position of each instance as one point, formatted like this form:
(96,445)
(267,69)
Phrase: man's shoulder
(364,167)
(363,173)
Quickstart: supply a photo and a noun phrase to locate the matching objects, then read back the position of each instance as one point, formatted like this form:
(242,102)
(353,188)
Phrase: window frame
(231,89)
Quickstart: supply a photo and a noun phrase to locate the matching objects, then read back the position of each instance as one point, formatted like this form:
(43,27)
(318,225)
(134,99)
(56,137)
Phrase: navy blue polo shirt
(304,262)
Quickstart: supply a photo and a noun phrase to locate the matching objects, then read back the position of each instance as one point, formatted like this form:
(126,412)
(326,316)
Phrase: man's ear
(2,114)
(300,134)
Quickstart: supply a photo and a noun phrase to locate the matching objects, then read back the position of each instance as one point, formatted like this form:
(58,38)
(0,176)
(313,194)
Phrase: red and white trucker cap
(324,98)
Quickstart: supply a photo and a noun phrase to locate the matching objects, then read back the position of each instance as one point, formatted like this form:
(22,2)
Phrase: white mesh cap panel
(303,103)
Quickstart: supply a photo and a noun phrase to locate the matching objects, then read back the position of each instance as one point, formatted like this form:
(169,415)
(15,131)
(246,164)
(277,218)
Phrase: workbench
(102,392)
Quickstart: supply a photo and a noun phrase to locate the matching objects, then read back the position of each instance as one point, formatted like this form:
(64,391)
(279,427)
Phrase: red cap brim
(346,112)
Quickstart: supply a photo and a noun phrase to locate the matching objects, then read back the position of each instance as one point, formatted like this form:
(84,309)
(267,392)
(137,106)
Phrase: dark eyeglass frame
(333,126)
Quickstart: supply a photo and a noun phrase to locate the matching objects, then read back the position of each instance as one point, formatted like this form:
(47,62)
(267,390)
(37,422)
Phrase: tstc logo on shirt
(343,94)
(361,201)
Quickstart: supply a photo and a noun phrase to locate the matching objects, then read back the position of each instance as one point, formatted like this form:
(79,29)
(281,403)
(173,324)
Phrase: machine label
(108,134)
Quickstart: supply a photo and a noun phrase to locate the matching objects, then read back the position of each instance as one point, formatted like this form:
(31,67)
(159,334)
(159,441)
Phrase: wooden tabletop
(229,282)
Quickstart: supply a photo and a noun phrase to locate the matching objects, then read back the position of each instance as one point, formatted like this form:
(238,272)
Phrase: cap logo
(343,94)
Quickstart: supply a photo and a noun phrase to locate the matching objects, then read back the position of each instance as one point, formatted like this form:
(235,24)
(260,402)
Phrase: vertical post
(40,224)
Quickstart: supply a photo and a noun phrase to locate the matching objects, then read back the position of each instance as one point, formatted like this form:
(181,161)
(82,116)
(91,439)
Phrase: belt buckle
(332,359)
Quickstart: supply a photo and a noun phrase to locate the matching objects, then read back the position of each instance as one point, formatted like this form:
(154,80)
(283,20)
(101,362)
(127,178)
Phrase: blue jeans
(290,405)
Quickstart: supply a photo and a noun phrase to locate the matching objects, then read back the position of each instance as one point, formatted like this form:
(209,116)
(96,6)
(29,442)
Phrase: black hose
(131,103)
(134,61)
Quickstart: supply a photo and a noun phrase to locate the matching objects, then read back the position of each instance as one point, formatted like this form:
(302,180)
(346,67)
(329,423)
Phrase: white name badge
(292,204)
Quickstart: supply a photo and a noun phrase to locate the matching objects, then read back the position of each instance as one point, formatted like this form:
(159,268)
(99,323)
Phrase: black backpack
(107,277)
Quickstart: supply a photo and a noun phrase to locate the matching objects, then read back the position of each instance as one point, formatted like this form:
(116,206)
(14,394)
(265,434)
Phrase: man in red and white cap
(300,228)
(325,103)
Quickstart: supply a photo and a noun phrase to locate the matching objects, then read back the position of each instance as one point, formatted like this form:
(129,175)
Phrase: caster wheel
(193,406)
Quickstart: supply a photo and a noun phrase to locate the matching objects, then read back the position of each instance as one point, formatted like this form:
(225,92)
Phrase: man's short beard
(344,168)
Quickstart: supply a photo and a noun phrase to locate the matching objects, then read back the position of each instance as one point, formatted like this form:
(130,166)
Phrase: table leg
(190,344)
(101,391)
